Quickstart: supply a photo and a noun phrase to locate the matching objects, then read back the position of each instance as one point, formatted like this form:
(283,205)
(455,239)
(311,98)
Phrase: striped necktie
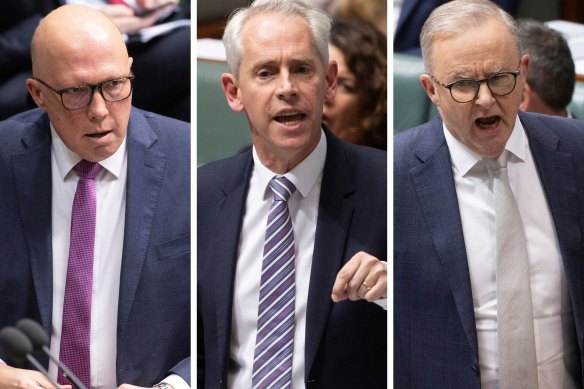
(272,366)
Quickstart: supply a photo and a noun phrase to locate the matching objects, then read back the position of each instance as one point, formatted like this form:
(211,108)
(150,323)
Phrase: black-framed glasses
(116,89)
(500,84)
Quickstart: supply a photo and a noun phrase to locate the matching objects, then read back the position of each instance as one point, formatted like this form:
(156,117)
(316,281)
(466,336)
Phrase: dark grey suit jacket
(154,304)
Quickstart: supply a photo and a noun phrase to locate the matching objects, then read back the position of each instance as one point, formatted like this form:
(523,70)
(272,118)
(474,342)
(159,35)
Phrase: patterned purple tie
(272,365)
(77,305)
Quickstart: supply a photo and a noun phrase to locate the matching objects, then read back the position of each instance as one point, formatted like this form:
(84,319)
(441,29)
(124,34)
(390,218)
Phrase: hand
(13,378)
(127,21)
(362,277)
(151,4)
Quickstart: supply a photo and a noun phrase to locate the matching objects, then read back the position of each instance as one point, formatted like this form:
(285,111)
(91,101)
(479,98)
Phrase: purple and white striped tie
(272,365)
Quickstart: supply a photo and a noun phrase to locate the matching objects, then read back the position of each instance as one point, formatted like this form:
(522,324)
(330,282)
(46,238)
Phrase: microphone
(39,340)
(18,346)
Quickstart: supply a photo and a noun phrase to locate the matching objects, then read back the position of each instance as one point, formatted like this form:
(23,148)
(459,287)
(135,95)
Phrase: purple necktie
(272,365)
(75,332)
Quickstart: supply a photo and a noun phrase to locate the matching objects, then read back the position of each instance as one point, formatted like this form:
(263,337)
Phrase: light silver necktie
(517,358)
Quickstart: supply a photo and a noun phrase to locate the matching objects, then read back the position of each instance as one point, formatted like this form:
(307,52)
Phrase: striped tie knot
(282,188)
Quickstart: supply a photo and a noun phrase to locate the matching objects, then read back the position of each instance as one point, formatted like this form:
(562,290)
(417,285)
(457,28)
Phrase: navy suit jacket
(413,15)
(345,342)
(154,302)
(435,338)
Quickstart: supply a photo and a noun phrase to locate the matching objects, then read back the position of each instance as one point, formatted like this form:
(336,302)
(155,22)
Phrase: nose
(97,109)
(485,98)
(287,87)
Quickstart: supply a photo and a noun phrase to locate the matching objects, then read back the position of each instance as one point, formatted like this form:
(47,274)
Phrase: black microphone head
(35,333)
(15,342)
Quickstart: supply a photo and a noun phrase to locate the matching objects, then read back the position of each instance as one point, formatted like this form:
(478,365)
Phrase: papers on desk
(574,34)
(148,33)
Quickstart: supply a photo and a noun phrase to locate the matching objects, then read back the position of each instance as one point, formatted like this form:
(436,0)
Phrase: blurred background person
(18,20)
(161,66)
(552,75)
(358,113)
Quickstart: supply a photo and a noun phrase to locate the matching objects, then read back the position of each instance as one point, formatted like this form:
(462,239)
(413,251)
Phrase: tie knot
(500,162)
(282,188)
(88,170)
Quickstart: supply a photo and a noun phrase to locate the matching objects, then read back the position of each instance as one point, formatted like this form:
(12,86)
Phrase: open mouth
(289,119)
(98,135)
(488,122)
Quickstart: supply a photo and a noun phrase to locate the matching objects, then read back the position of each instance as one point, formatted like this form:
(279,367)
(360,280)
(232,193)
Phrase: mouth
(98,135)
(289,118)
(488,123)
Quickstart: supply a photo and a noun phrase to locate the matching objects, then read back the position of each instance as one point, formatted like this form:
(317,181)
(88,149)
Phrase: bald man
(139,299)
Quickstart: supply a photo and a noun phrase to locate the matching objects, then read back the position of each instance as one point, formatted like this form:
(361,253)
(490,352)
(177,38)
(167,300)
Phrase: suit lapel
(334,215)
(32,183)
(228,220)
(556,172)
(145,173)
(434,185)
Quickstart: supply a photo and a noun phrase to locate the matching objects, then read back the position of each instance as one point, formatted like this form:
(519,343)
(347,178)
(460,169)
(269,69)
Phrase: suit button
(475,369)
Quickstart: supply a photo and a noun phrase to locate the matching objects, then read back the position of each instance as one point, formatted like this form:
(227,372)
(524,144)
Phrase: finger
(117,10)
(356,287)
(339,292)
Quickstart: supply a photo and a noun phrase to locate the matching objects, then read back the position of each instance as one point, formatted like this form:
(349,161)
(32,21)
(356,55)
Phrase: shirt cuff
(382,303)
(176,381)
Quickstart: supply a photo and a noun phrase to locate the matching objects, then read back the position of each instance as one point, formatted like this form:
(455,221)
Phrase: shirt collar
(464,159)
(303,176)
(67,159)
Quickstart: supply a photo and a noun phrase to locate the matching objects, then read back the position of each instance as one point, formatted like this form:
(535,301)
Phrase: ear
(35,92)
(430,88)
(229,85)
(331,81)
(525,97)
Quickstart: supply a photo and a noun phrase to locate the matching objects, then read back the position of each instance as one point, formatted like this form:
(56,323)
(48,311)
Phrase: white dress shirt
(303,205)
(110,187)
(552,315)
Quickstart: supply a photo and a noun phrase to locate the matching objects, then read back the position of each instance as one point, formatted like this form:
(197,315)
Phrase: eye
(264,73)
(78,90)
(346,86)
(465,84)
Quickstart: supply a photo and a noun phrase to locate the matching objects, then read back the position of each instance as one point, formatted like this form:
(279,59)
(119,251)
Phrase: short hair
(552,74)
(457,17)
(318,21)
(364,49)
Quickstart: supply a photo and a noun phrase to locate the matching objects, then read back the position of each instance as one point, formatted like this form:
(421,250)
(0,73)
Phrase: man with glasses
(488,220)
(95,216)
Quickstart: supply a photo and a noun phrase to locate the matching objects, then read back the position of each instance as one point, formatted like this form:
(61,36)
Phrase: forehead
(269,37)
(488,47)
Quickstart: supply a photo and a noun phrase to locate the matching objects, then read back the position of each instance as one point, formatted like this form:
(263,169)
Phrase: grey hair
(457,17)
(318,21)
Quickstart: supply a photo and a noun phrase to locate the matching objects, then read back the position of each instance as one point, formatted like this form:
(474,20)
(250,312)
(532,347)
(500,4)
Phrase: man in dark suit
(450,326)
(140,298)
(335,332)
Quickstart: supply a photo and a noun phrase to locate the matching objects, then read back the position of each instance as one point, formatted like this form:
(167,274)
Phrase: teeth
(487,122)
(288,117)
